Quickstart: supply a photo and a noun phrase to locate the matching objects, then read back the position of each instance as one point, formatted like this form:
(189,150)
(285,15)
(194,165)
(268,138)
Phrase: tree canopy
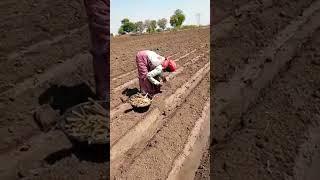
(177,19)
(121,31)
(127,26)
(140,26)
(153,25)
(162,23)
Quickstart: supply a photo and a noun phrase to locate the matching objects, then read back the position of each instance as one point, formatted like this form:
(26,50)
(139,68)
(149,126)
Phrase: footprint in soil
(98,153)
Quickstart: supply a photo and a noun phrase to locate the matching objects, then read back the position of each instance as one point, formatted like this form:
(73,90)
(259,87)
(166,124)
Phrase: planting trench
(278,138)
(123,119)
(188,161)
(239,141)
(289,37)
(146,127)
(235,96)
(255,29)
(30,32)
(117,81)
(171,42)
(235,38)
(44,48)
(74,67)
(122,82)
(43,81)
(71,77)
(20,101)
(118,94)
(25,63)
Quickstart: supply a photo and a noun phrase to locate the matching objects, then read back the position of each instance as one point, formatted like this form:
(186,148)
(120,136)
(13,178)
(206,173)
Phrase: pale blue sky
(137,10)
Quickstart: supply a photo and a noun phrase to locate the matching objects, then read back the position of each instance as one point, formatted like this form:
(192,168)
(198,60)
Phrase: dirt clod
(282,14)
(39,71)
(237,13)
(268,60)
(45,117)
(24,148)
(314,62)
(10,130)
(259,144)
(21,174)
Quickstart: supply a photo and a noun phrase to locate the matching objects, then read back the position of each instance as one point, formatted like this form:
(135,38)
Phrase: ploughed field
(265,119)
(265,82)
(44,50)
(154,144)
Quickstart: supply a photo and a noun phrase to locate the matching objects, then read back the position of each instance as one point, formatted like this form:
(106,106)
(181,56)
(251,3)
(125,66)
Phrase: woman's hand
(164,79)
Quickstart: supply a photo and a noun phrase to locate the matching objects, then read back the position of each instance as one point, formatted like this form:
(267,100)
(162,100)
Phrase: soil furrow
(274,129)
(70,66)
(51,87)
(47,42)
(175,41)
(186,164)
(117,93)
(27,64)
(120,85)
(38,21)
(123,107)
(176,56)
(116,105)
(203,171)
(132,72)
(45,145)
(169,141)
(234,97)
(125,121)
(143,134)
(61,92)
(121,82)
(251,32)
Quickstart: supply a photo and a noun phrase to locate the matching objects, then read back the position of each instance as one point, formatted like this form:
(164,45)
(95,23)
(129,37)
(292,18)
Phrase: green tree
(140,26)
(153,25)
(124,21)
(127,26)
(147,25)
(162,23)
(177,18)
(121,31)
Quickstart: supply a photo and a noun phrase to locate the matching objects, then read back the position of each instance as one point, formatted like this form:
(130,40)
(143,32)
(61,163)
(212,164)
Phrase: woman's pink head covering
(170,64)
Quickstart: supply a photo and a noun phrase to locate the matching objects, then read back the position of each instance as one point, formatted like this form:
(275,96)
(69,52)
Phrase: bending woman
(150,69)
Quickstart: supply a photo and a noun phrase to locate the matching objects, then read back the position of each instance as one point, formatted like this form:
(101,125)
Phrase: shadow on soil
(129,92)
(63,97)
(137,110)
(93,153)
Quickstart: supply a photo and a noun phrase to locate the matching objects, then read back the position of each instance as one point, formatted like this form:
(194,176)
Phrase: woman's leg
(97,11)
(142,65)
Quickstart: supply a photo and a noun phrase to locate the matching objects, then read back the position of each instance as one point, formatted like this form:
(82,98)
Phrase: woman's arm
(155,72)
